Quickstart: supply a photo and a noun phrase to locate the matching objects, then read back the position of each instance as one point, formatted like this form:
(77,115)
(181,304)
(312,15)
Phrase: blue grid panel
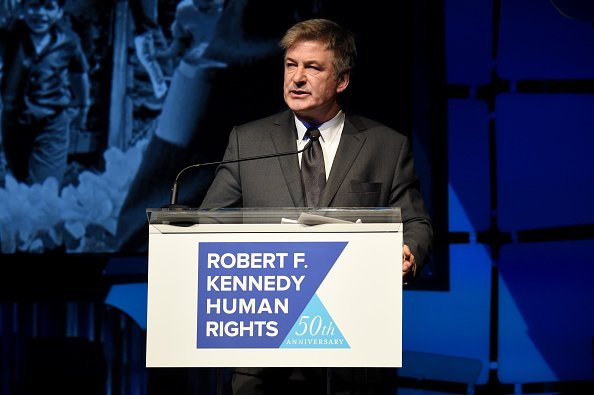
(469,200)
(468,37)
(131,299)
(544,159)
(454,323)
(546,312)
(537,42)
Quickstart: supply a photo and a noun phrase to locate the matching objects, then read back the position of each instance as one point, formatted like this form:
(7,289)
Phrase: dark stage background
(497,97)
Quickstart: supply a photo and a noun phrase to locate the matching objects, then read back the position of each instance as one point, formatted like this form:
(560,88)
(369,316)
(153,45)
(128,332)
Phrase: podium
(274,287)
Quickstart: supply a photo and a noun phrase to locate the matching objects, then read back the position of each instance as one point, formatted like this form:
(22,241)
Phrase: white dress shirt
(330,133)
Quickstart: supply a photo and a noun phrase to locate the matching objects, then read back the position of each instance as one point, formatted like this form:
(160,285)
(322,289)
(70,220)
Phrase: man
(366,164)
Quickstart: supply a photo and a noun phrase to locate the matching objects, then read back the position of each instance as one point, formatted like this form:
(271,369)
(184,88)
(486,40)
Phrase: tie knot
(313,133)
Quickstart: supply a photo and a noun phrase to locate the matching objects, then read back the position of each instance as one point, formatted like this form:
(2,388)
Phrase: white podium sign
(259,294)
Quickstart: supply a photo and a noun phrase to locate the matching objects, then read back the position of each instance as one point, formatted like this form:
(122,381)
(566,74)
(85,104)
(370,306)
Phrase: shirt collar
(327,130)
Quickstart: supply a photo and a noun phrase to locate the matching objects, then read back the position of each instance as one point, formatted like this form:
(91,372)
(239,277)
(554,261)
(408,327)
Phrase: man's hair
(337,39)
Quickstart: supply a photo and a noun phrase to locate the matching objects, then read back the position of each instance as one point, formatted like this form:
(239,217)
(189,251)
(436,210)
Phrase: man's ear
(343,82)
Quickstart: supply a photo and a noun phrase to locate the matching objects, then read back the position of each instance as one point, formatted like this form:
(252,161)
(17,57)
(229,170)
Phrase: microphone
(174,189)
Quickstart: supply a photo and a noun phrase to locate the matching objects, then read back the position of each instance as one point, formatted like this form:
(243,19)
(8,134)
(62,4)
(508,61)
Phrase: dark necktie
(312,169)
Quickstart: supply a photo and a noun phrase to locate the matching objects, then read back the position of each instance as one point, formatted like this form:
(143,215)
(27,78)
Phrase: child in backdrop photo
(44,88)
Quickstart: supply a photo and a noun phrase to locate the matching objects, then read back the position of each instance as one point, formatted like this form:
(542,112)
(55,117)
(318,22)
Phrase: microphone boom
(174,189)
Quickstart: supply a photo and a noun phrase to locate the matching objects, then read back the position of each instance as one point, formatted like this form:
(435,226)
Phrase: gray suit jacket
(373,167)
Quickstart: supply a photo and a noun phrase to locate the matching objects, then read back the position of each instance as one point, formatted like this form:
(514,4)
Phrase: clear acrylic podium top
(300,215)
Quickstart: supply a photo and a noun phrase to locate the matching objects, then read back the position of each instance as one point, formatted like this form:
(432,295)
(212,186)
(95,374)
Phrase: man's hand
(409,266)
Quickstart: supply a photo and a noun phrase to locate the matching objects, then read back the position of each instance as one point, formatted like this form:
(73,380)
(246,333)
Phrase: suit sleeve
(406,194)
(225,190)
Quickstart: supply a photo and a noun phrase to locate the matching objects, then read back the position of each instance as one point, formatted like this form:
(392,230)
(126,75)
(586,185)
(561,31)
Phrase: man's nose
(299,75)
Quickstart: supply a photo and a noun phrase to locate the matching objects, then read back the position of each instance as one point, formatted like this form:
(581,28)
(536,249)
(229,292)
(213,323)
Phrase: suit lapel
(351,142)
(284,136)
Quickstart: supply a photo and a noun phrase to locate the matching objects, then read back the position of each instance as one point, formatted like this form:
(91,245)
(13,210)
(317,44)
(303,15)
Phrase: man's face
(41,15)
(310,86)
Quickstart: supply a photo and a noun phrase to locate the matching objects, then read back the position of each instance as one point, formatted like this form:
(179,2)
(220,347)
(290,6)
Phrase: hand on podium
(409,266)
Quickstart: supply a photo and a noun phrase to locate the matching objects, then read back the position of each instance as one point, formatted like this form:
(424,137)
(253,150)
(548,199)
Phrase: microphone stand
(174,189)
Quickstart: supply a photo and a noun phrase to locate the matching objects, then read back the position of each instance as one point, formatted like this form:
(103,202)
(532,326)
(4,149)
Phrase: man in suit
(366,164)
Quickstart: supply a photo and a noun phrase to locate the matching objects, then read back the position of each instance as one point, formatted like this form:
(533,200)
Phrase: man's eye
(313,70)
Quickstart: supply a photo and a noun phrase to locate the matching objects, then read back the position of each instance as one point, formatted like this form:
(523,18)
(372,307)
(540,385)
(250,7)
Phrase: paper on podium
(312,219)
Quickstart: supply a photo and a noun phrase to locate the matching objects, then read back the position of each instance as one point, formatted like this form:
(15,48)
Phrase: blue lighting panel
(544,160)
(454,323)
(131,299)
(546,312)
(468,166)
(537,42)
(468,26)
